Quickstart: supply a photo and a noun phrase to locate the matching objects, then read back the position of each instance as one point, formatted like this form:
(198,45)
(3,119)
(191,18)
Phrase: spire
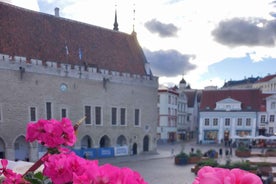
(116,28)
(133,18)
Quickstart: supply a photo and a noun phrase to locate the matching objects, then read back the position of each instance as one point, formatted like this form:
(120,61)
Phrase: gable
(228,104)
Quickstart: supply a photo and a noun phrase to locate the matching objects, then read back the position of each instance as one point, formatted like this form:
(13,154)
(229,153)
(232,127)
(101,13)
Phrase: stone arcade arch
(21,149)
(2,148)
(86,142)
(121,140)
(105,141)
(146,143)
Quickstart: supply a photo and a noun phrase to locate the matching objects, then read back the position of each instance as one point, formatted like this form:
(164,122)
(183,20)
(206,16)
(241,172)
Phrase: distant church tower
(182,84)
(116,28)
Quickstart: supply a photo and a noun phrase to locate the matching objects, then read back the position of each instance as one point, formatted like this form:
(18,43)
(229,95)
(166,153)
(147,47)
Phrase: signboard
(105,152)
(89,153)
(121,150)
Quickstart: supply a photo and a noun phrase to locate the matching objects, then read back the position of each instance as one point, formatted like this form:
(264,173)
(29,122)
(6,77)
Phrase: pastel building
(227,114)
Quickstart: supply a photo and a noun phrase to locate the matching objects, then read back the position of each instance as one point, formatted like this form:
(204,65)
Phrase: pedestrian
(172,152)
(220,152)
(226,152)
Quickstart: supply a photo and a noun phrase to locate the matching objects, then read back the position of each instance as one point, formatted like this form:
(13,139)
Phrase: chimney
(57,12)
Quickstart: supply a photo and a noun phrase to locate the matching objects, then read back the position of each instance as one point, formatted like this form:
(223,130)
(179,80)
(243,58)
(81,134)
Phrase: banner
(121,151)
(105,152)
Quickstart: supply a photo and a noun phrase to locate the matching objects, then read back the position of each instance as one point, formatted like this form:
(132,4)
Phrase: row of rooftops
(251,99)
(51,38)
(249,81)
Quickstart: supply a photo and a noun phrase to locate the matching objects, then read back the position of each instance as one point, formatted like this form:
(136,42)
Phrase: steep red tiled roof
(252,98)
(41,36)
(191,98)
(267,78)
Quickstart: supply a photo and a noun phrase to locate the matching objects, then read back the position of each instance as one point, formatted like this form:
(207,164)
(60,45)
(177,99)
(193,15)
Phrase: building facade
(266,118)
(227,114)
(188,106)
(167,109)
(178,113)
(53,67)
(266,84)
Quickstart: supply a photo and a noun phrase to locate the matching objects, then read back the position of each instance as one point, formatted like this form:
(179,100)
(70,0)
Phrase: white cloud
(29,4)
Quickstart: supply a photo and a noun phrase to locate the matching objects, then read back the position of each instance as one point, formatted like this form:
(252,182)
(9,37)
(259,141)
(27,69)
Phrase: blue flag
(80,54)
(66,50)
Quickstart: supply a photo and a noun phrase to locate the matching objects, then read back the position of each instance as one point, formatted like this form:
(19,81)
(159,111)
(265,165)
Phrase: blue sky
(240,68)
(207,42)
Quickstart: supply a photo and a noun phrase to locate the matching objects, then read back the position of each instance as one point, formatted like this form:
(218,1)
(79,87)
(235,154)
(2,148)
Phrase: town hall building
(53,67)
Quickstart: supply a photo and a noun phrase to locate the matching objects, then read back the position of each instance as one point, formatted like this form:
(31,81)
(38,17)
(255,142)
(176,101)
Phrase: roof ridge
(61,18)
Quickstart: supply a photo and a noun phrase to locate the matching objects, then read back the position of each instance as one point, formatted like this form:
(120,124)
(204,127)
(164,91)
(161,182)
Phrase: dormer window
(228,107)
(273,105)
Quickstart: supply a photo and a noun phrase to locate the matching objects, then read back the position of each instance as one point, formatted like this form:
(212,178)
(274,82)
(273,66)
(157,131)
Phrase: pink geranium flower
(68,132)
(207,175)
(52,133)
(10,176)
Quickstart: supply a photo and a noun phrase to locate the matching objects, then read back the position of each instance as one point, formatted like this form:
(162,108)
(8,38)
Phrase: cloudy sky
(207,42)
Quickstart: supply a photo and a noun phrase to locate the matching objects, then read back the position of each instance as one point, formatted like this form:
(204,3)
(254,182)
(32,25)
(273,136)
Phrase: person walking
(220,152)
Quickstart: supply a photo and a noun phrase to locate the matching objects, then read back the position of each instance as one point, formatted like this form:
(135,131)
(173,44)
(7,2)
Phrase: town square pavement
(159,167)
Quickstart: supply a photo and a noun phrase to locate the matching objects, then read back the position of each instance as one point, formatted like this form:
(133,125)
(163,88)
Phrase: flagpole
(67,54)
(80,57)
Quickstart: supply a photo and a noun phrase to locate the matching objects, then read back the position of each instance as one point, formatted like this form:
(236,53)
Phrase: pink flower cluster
(207,175)
(68,167)
(10,176)
(52,133)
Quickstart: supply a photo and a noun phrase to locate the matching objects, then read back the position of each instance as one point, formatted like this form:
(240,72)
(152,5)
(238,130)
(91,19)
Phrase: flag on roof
(66,50)
(80,54)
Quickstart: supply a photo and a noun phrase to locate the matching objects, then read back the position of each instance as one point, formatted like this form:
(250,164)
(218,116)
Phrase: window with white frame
(206,121)
(63,112)
(113,115)
(248,122)
(227,122)
(271,118)
(48,110)
(262,118)
(87,113)
(270,130)
(137,117)
(215,122)
(32,114)
(123,116)
(239,122)
(273,105)
(98,115)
